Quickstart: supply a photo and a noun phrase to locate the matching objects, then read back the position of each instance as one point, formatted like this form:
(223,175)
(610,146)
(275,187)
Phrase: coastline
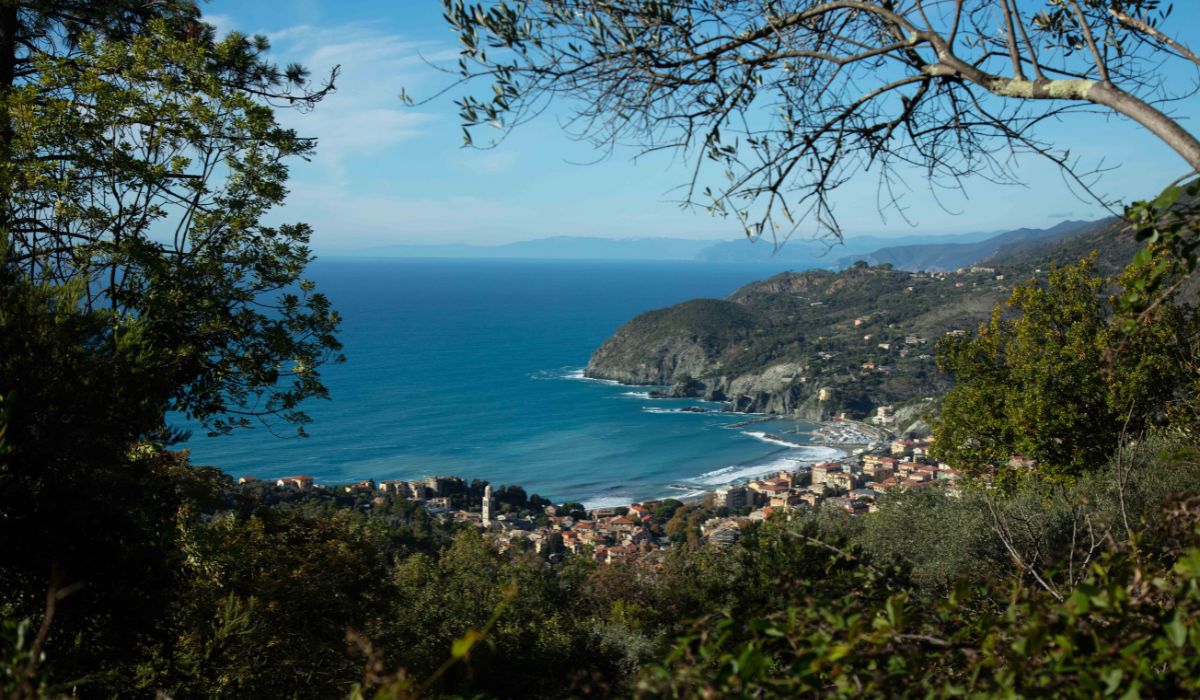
(792,444)
(824,441)
(784,459)
(842,438)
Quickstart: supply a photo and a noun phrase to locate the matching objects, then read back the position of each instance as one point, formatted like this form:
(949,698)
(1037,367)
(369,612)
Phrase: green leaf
(1176,630)
(1112,680)
(462,646)
(1168,197)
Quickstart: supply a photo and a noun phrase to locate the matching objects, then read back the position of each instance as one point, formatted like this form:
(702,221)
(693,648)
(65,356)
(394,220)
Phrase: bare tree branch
(781,102)
(1155,34)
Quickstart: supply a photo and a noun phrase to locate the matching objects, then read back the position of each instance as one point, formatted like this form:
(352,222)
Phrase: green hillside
(868,332)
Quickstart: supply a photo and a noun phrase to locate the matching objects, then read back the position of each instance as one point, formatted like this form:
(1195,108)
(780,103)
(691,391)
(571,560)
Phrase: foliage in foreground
(308,600)
(141,167)
(1036,593)
(1056,377)
(1128,629)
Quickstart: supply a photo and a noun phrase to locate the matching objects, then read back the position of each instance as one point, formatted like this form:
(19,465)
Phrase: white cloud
(365,119)
(222,23)
(343,134)
(365,115)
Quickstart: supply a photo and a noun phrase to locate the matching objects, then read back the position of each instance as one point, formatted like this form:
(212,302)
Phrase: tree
(538,641)
(1056,379)
(79,509)
(267,600)
(573,509)
(137,156)
(789,99)
(666,510)
(1113,635)
(140,154)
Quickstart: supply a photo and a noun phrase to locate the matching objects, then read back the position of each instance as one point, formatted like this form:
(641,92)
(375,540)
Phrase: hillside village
(854,484)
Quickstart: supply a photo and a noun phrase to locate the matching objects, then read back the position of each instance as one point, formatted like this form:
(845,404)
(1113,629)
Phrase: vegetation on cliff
(668,345)
(1053,377)
(868,331)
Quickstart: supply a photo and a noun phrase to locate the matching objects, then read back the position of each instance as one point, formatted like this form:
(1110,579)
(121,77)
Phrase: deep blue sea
(473,369)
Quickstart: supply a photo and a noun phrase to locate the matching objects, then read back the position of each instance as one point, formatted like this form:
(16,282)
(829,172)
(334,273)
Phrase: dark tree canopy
(34,27)
(140,154)
(786,100)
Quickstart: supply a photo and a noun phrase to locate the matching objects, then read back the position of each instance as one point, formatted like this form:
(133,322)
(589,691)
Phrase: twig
(1091,42)
(54,593)
(836,550)
(1143,27)
(1000,530)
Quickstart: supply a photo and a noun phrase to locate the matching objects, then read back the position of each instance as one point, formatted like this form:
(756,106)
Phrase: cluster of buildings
(604,534)
(853,485)
(434,491)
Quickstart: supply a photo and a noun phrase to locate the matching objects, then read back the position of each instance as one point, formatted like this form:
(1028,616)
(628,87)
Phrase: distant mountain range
(798,252)
(823,253)
(555,248)
(932,253)
(944,257)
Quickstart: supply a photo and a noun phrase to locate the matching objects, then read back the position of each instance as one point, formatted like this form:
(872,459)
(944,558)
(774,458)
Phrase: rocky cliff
(669,345)
(864,335)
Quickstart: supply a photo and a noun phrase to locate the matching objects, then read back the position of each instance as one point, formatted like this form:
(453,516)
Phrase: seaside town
(875,462)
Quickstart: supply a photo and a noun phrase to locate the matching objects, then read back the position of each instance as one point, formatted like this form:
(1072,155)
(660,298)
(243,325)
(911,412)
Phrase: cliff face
(794,400)
(669,345)
(627,359)
(692,372)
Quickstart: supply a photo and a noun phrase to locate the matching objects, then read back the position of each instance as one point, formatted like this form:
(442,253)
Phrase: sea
(474,368)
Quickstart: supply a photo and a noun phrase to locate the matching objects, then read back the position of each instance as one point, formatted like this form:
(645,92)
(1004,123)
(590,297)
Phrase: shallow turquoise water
(471,368)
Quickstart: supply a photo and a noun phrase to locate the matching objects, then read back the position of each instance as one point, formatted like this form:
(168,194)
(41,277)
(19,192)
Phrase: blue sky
(385,173)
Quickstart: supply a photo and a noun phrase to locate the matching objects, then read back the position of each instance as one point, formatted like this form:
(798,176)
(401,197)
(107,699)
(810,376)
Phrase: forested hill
(865,334)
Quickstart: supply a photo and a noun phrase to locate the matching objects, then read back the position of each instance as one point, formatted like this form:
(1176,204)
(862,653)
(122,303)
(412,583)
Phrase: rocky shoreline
(775,391)
(810,345)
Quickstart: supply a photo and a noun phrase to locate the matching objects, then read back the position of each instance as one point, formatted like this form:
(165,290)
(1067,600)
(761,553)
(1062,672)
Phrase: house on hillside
(302,483)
